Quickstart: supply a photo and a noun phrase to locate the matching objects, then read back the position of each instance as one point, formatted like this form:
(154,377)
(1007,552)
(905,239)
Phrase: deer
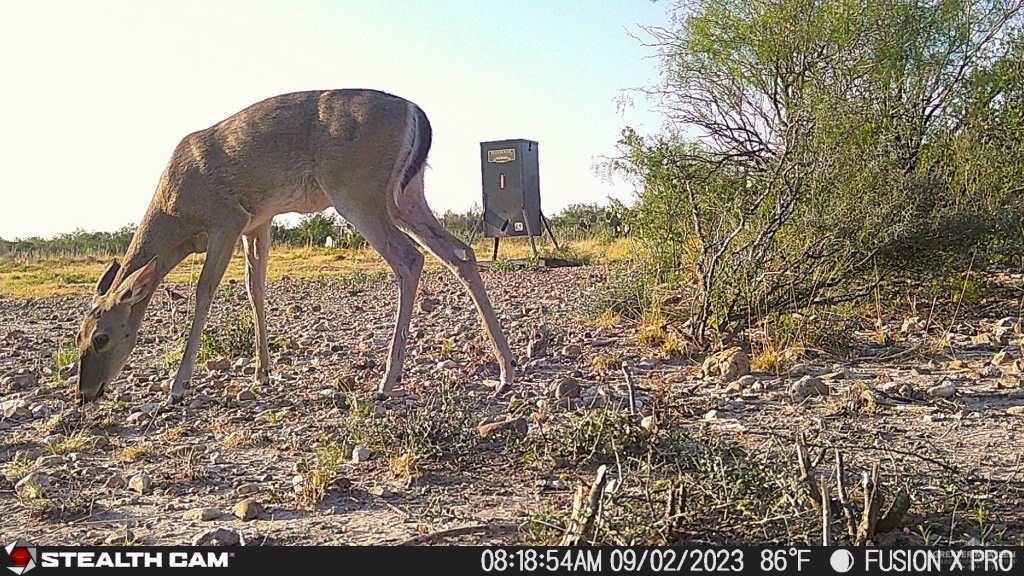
(360,151)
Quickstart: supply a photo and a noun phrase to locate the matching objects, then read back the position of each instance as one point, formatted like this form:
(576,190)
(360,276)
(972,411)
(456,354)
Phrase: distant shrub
(76,243)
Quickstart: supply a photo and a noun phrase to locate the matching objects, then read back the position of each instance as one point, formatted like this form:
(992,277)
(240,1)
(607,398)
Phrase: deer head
(110,328)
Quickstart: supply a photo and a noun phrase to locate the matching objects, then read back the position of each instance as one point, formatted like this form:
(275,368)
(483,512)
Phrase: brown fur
(361,151)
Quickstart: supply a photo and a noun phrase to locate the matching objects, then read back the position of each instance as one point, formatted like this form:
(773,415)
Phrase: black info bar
(25,558)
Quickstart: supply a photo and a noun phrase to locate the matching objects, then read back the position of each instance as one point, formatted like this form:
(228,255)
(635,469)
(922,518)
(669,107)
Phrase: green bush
(813,139)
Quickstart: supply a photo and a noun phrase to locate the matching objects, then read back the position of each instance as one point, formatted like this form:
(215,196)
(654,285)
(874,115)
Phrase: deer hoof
(262,377)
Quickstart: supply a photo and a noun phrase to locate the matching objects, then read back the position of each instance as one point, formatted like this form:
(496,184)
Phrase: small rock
(806,387)
(137,418)
(201,514)
(248,509)
(32,485)
(115,482)
(361,454)
(447,365)
(1015,410)
(24,381)
(839,374)
(246,396)
(565,388)
(379,491)
(572,351)
(140,483)
(649,423)
(711,415)
(216,458)
(241,362)
(246,489)
(946,389)
(729,364)
(518,426)
(16,408)
(49,461)
(746,381)
(912,325)
(217,537)
(218,365)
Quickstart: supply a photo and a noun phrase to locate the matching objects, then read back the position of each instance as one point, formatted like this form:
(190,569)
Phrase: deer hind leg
(218,255)
(415,217)
(257,249)
(374,223)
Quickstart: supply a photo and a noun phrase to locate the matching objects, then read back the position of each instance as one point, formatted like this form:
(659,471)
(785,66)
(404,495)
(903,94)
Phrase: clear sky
(97,94)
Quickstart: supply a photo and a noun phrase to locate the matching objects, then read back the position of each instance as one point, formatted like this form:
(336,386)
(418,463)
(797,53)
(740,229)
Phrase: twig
(826,515)
(872,504)
(806,477)
(844,498)
(581,522)
(630,387)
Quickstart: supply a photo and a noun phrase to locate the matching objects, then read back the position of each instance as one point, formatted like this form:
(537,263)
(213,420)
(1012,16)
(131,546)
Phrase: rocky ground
(313,459)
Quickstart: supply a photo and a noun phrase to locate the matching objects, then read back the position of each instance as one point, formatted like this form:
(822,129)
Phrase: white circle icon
(841,560)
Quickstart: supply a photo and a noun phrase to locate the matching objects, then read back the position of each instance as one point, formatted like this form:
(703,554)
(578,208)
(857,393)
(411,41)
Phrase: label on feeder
(501,156)
(518,226)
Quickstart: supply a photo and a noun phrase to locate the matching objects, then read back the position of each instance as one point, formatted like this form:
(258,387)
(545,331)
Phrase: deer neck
(165,238)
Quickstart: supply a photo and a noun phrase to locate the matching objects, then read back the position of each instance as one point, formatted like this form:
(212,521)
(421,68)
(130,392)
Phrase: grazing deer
(361,151)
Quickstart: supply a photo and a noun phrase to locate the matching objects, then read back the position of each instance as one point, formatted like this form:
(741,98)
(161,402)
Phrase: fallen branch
(826,516)
(806,477)
(630,387)
(872,505)
(584,514)
(844,497)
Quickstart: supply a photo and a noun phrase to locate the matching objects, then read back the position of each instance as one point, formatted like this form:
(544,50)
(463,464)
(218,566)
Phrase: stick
(803,460)
(826,516)
(872,504)
(630,387)
(844,497)
(582,522)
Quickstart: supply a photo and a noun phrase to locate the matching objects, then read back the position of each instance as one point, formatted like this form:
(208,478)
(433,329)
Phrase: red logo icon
(21,557)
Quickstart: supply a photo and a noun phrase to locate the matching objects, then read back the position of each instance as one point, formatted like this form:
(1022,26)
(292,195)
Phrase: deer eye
(100,341)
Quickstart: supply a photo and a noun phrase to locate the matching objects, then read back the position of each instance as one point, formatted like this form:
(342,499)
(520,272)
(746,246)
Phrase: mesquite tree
(805,137)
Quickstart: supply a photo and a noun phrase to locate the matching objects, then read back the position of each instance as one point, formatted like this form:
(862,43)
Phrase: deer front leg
(257,249)
(218,255)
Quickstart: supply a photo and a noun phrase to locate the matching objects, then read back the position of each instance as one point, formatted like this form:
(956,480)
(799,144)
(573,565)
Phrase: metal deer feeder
(510,176)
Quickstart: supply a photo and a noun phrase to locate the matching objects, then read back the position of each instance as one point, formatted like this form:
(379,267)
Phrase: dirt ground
(288,446)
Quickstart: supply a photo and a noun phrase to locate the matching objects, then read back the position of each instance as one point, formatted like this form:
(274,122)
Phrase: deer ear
(138,285)
(108,277)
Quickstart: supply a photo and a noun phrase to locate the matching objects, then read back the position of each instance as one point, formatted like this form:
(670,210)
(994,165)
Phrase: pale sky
(97,94)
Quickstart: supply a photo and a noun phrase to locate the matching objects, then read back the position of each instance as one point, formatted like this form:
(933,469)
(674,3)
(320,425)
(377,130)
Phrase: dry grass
(76,443)
(134,452)
(62,276)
